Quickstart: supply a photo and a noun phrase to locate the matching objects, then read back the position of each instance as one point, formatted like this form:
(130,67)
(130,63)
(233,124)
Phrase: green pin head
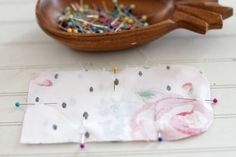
(115,1)
(122,6)
(67,8)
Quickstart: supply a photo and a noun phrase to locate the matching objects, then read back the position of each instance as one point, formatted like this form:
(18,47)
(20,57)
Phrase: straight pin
(82,144)
(213,101)
(159,137)
(105,6)
(81,3)
(115,20)
(119,27)
(49,103)
(76,5)
(97,20)
(18,104)
(83,135)
(115,2)
(73,6)
(96,25)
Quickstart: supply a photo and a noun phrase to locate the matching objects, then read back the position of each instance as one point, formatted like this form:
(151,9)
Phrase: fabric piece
(143,103)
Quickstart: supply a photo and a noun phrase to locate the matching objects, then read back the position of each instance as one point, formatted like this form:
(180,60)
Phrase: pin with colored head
(82,143)
(213,101)
(159,137)
(86,134)
(131,9)
(82,146)
(76,18)
(115,69)
(19,104)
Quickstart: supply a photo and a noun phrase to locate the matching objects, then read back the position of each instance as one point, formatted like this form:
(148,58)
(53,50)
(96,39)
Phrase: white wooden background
(24,49)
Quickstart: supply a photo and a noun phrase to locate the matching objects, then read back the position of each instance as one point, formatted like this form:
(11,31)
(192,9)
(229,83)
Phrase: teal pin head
(17,104)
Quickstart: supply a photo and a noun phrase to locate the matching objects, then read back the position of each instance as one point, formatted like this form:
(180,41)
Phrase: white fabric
(145,102)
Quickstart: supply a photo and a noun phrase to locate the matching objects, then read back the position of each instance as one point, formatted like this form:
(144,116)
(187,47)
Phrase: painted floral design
(174,117)
(45,83)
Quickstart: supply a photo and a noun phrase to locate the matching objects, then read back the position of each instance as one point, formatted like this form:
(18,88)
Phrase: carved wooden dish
(164,16)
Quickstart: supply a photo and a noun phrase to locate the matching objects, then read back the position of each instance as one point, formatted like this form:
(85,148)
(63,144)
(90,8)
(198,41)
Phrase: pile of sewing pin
(80,18)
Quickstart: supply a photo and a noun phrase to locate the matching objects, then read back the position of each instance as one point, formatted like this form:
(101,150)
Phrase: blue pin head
(99,10)
(160,139)
(17,104)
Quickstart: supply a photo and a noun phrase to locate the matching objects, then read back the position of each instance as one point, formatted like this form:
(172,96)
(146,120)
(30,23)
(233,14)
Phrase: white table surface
(24,49)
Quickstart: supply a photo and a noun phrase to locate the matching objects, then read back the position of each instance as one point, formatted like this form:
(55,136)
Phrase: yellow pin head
(115,69)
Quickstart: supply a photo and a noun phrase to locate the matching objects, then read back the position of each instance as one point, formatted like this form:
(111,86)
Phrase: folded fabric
(134,104)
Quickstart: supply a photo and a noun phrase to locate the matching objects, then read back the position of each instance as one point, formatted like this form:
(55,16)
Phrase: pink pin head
(90,24)
(82,146)
(215,101)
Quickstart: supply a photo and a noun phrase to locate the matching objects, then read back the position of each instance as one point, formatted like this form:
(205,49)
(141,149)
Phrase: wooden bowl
(164,16)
